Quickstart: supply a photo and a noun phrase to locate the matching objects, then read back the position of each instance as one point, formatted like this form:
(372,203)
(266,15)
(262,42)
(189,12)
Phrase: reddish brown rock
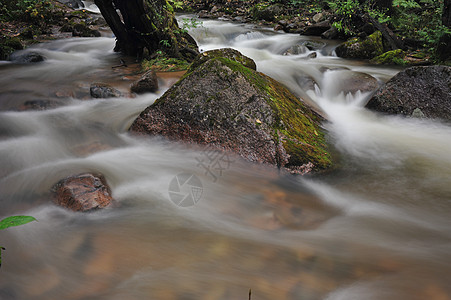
(83,192)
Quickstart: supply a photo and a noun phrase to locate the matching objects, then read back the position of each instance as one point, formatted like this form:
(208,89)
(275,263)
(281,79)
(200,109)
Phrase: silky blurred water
(375,228)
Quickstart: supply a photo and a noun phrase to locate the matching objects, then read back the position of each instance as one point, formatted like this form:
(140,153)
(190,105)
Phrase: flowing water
(376,228)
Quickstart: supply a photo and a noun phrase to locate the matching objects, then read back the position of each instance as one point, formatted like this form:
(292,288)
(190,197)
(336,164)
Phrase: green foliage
(406,4)
(177,5)
(190,23)
(15,221)
(420,21)
(165,43)
(33,11)
(346,11)
(11,222)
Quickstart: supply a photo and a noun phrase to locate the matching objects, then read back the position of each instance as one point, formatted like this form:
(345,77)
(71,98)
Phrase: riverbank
(47,20)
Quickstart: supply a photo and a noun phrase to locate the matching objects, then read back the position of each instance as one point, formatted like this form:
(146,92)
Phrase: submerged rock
(83,192)
(148,83)
(296,50)
(414,90)
(352,82)
(366,48)
(230,107)
(103,90)
(38,104)
(24,57)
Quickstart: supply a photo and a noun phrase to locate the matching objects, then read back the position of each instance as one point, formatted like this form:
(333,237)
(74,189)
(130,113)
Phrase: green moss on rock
(394,57)
(228,53)
(367,48)
(8,45)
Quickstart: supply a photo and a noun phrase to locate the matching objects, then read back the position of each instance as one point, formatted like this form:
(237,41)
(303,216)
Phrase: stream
(378,227)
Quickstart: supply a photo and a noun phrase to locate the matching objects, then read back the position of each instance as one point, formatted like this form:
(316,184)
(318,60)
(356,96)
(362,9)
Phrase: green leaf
(15,221)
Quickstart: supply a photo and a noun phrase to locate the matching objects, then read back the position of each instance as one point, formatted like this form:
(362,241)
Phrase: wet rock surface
(231,107)
(83,192)
(38,104)
(148,83)
(425,88)
(103,90)
(352,82)
(24,57)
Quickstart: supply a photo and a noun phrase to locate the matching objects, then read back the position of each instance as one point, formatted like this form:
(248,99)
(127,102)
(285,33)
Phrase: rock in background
(417,89)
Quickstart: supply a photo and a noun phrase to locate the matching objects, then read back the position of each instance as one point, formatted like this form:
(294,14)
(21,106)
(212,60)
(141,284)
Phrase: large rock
(8,45)
(359,48)
(316,29)
(231,107)
(83,192)
(267,13)
(425,89)
(148,83)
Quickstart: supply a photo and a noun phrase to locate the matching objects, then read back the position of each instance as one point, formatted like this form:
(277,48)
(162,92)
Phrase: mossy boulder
(366,48)
(8,45)
(425,89)
(266,12)
(393,57)
(230,107)
(228,53)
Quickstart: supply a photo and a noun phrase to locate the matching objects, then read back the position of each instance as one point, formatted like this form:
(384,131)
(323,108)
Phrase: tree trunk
(443,50)
(147,24)
(391,38)
(446,16)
